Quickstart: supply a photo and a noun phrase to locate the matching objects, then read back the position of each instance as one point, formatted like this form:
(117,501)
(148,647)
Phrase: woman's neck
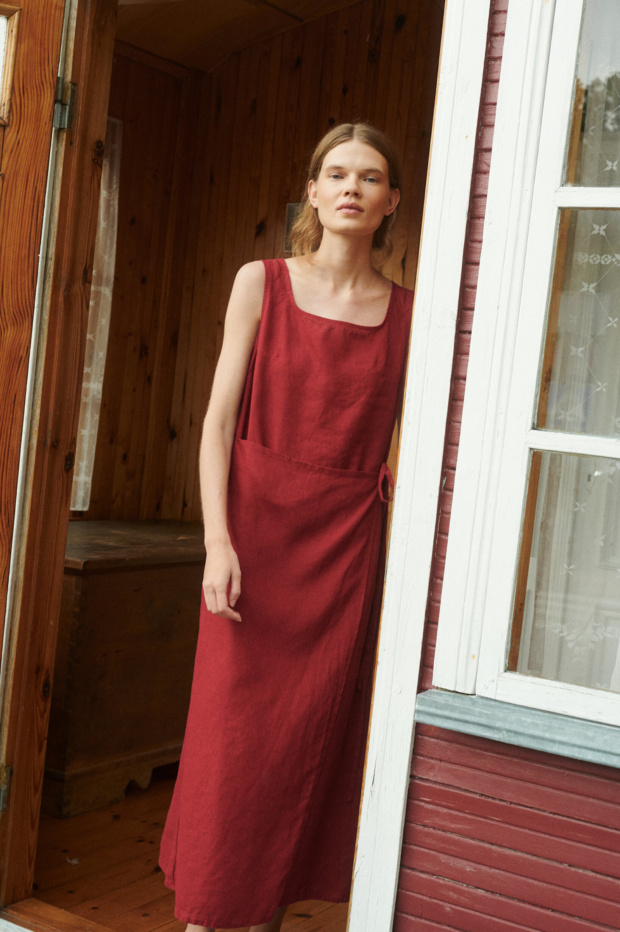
(344,261)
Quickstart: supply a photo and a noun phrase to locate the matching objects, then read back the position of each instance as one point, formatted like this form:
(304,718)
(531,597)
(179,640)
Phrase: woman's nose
(352,187)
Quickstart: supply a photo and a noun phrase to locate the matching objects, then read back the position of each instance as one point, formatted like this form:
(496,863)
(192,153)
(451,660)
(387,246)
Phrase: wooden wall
(499,838)
(259,116)
(156,103)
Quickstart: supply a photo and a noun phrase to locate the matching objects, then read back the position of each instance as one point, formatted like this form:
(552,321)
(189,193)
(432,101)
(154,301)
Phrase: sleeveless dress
(265,806)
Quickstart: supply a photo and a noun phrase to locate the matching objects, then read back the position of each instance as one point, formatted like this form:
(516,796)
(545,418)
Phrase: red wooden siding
(499,838)
(502,839)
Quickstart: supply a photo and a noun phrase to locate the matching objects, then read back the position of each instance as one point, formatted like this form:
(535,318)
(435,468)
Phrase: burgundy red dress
(266,802)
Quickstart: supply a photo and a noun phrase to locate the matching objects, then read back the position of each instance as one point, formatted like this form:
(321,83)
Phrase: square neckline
(334,320)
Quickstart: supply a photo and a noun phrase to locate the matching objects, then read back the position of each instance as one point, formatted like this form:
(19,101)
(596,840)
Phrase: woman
(293,482)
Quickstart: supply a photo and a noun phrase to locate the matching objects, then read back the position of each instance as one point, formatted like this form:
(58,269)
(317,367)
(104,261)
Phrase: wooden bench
(127,636)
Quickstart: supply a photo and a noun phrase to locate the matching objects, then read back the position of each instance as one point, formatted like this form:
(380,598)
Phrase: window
(9,18)
(99,312)
(531,604)
(3,34)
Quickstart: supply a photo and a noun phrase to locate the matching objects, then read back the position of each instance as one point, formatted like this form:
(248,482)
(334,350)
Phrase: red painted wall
(501,839)
(498,838)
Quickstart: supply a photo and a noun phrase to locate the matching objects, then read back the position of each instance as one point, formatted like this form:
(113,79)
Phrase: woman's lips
(350,209)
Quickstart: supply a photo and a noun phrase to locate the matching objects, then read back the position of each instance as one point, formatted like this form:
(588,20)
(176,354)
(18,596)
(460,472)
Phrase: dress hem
(228,923)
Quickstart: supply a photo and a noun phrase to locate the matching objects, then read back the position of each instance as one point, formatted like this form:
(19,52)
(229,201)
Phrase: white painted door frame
(377,863)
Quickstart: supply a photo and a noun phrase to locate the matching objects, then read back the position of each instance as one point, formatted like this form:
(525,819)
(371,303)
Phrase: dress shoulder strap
(403,305)
(274,279)
(267,336)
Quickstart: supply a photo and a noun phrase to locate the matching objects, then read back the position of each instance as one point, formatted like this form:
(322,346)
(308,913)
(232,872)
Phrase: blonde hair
(307,229)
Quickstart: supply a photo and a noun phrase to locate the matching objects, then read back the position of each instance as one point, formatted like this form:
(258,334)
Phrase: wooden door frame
(53,446)
(28,92)
(379,842)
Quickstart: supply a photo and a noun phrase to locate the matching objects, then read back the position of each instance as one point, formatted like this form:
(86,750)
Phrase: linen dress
(265,806)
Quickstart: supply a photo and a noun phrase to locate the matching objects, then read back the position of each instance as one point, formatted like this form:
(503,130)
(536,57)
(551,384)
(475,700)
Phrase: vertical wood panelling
(166,345)
(158,115)
(499,838)
(209,163)
(375,61)
(203,337)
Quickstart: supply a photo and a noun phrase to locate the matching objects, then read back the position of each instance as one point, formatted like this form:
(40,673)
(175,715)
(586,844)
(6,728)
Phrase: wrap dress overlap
(265,806)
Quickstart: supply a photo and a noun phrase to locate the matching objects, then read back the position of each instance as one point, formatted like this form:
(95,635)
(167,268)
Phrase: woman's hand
(222,577)
(222,581)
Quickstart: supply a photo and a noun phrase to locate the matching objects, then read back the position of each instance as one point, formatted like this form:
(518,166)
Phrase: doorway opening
(218,118)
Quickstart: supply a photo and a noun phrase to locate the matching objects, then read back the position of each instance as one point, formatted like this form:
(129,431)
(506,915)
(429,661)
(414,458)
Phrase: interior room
(214,110)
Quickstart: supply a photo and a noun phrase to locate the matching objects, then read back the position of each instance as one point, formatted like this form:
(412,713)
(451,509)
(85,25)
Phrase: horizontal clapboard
(504,838)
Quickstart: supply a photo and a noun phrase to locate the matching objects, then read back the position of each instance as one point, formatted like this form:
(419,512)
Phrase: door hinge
(63,111)
(5,782)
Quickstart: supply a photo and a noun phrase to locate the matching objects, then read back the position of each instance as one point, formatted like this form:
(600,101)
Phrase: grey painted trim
(515,724)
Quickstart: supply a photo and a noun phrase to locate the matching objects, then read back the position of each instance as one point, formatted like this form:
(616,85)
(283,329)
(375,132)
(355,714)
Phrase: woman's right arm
(222,576)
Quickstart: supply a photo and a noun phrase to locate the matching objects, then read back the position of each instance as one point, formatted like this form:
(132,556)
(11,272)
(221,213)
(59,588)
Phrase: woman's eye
(372,179)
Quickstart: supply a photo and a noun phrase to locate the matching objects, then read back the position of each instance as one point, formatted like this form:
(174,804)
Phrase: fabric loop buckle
(385,473)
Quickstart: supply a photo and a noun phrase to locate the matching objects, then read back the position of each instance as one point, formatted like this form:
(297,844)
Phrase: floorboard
(101,867)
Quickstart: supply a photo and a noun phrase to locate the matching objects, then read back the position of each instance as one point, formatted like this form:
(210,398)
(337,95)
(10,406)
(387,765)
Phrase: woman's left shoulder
(401,288)
(404,295)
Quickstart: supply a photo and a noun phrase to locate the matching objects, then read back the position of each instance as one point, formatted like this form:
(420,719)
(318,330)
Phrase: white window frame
(411,544)
(497,437)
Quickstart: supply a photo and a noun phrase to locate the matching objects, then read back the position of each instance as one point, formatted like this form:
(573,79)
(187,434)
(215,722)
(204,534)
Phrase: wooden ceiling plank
(202,35)
(246,30)
(274,6)
(198,34)
(309,10)
(151,61)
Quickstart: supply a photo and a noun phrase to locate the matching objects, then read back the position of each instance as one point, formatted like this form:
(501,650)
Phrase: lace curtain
(3,33)
(98,318)
(571,630)
(572,616)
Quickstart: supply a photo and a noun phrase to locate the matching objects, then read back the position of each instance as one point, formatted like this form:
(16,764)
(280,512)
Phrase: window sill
(514,724)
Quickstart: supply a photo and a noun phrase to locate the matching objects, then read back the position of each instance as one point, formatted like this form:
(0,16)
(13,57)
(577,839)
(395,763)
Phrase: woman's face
(352,193)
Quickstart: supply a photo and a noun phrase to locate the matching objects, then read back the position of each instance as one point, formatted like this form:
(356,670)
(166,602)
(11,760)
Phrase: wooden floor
(102,867)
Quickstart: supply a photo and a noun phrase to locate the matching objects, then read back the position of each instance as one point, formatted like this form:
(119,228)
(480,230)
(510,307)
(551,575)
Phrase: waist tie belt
(366,668)
(386,474)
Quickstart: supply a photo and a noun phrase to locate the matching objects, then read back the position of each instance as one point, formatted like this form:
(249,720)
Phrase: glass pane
(580,383)
(99,313)
(567,615)
(3,33)
(594,143)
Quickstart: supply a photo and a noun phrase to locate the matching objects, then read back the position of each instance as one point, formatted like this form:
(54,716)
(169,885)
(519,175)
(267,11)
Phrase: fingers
(235,587)
(226,611)
(221,598)
(216,597)
(222,582)
(218,603)
(229,613)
